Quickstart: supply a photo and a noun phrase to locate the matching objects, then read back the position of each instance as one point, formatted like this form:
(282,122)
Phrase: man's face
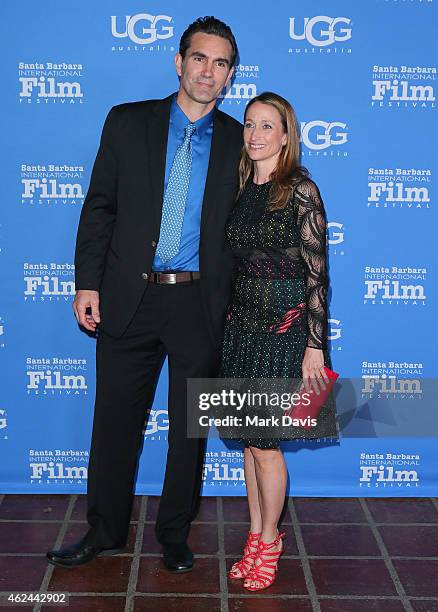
(206,68)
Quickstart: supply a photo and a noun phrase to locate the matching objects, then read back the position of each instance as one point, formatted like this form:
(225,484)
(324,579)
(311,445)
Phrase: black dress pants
(169,321)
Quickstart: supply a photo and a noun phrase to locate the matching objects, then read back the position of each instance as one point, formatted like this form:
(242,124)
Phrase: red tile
(402,510)
(203,539)
(154,578)
(235,536)
(21,573)
(419,578)
(177,604)
(79,512)
(132,535)
(410,541)
(329,510)
(236,509)
(98,603)
(286,518)
(424,605)
(207,509)
(102,575)
(268,604)
(351,577)
(152,507)
(150,542)
(34,507)
(28,537)
(289,581)
(339,540)
(76,531)
(361,605)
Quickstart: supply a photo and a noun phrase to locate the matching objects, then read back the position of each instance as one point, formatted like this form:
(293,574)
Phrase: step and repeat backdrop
(362,79)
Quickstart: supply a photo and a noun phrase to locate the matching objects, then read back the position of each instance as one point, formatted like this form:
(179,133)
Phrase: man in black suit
(153,275)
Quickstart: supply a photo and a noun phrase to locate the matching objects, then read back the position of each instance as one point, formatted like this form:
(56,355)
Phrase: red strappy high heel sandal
(265,565)
(245,564)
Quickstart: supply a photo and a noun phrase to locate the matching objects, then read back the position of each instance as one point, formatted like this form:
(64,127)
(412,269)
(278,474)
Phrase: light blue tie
(174,203)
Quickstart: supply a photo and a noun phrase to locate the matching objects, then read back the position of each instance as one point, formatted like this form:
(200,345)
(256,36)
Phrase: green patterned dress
(278,305)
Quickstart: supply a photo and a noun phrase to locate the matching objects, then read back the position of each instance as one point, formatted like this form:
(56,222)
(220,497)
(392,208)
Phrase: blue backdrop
(362,81)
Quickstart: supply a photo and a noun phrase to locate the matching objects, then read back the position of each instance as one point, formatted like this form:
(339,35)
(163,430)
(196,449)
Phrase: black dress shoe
(178,558)
(79,553)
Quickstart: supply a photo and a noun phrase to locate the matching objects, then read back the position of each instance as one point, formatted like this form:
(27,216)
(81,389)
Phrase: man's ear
(230,74)
(178,63)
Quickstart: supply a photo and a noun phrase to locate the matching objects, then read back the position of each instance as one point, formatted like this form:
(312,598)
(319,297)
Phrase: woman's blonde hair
(288,170)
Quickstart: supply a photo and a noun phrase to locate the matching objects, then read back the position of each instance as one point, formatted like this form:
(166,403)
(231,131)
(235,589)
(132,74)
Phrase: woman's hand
(314,375)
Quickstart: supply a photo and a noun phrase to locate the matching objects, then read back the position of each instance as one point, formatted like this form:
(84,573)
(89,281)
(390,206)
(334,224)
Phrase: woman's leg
(252,491)
(271,476)
(241,568)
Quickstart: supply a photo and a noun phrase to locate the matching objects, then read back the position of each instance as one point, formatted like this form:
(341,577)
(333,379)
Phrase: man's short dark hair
(209,25)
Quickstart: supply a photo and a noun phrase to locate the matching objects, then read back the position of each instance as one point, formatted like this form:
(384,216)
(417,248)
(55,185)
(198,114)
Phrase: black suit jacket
(120,220)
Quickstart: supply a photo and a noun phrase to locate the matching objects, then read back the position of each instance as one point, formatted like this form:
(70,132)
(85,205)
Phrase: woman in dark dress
(276,325)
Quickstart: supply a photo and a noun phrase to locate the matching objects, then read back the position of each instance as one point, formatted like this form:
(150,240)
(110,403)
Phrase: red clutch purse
(311,405)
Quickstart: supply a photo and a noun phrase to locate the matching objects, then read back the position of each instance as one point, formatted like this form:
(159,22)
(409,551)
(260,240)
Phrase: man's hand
(87,299)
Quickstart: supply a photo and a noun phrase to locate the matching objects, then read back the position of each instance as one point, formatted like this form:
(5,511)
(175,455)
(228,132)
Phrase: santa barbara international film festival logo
(320,34)
(324,139)
(243,86)
(395,285)
(401,380)
(142,32)
(223,469)
(50,83)
(48,282)
(47,376)
(404,87)
(401,188)
(389,470)
(58,466)
(52,184)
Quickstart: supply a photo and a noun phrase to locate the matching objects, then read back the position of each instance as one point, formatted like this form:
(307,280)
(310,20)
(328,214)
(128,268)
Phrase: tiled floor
(341,554)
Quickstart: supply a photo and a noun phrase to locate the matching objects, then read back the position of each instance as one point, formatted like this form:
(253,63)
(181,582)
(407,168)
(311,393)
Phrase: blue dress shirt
(187,258)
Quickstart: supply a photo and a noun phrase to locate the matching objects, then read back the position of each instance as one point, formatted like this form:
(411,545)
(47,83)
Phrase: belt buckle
(168,278)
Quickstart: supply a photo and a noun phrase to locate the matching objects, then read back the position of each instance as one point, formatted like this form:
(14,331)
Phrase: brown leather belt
(170,278)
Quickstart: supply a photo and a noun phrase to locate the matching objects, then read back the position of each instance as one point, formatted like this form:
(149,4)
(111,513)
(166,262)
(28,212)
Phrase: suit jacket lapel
(215,165)
(157,133)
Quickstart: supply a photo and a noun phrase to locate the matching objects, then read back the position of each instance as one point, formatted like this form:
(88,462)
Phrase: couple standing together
(170,263)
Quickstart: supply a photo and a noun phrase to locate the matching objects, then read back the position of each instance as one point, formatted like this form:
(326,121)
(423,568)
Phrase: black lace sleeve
(312,226)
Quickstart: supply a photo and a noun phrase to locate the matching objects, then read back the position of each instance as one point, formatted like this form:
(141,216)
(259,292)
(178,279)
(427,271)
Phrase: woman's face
(263,132)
